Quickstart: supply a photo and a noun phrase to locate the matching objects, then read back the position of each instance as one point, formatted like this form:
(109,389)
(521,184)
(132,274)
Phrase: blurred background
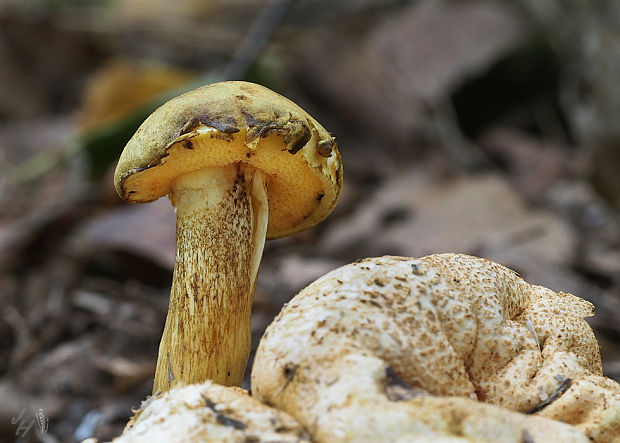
(485,127)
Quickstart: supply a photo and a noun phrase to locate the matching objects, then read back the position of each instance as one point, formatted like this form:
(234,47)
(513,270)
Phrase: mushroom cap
(448,324)
(237,122)
(208,412)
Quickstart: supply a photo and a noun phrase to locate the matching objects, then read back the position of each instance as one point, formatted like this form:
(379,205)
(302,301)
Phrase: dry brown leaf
(416,213)
(146,230)
(411,59)
(532,165)
(122,86)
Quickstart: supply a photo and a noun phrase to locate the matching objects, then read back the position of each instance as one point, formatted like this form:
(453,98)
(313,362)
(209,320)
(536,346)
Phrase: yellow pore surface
(294,187)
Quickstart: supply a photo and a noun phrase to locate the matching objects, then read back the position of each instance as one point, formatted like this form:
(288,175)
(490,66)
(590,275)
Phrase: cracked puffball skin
(207,412)
(402,349)
(239,163)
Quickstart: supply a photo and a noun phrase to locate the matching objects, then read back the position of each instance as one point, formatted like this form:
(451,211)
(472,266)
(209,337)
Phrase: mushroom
(207,412)
(240,163)
(448,345)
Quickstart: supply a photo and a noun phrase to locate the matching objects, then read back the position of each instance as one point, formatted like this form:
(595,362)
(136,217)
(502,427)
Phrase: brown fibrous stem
(221,225)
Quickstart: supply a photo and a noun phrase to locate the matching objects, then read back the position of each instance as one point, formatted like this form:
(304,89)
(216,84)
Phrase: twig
(255,41)
(24,343)
(530,326)
(463,152)
(554,396)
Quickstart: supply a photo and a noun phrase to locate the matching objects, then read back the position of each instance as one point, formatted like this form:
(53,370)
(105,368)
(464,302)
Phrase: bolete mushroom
(240,163)
(445,346)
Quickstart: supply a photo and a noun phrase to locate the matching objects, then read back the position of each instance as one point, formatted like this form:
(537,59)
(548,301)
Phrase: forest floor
(463,127)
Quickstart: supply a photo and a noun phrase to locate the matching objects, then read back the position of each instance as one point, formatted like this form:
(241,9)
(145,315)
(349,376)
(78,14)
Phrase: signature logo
(24,425)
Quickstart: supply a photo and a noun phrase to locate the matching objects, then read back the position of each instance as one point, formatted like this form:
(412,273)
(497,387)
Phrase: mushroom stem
(221,226)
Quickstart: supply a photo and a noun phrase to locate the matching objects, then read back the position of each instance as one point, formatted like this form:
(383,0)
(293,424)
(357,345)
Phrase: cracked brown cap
(237,122)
